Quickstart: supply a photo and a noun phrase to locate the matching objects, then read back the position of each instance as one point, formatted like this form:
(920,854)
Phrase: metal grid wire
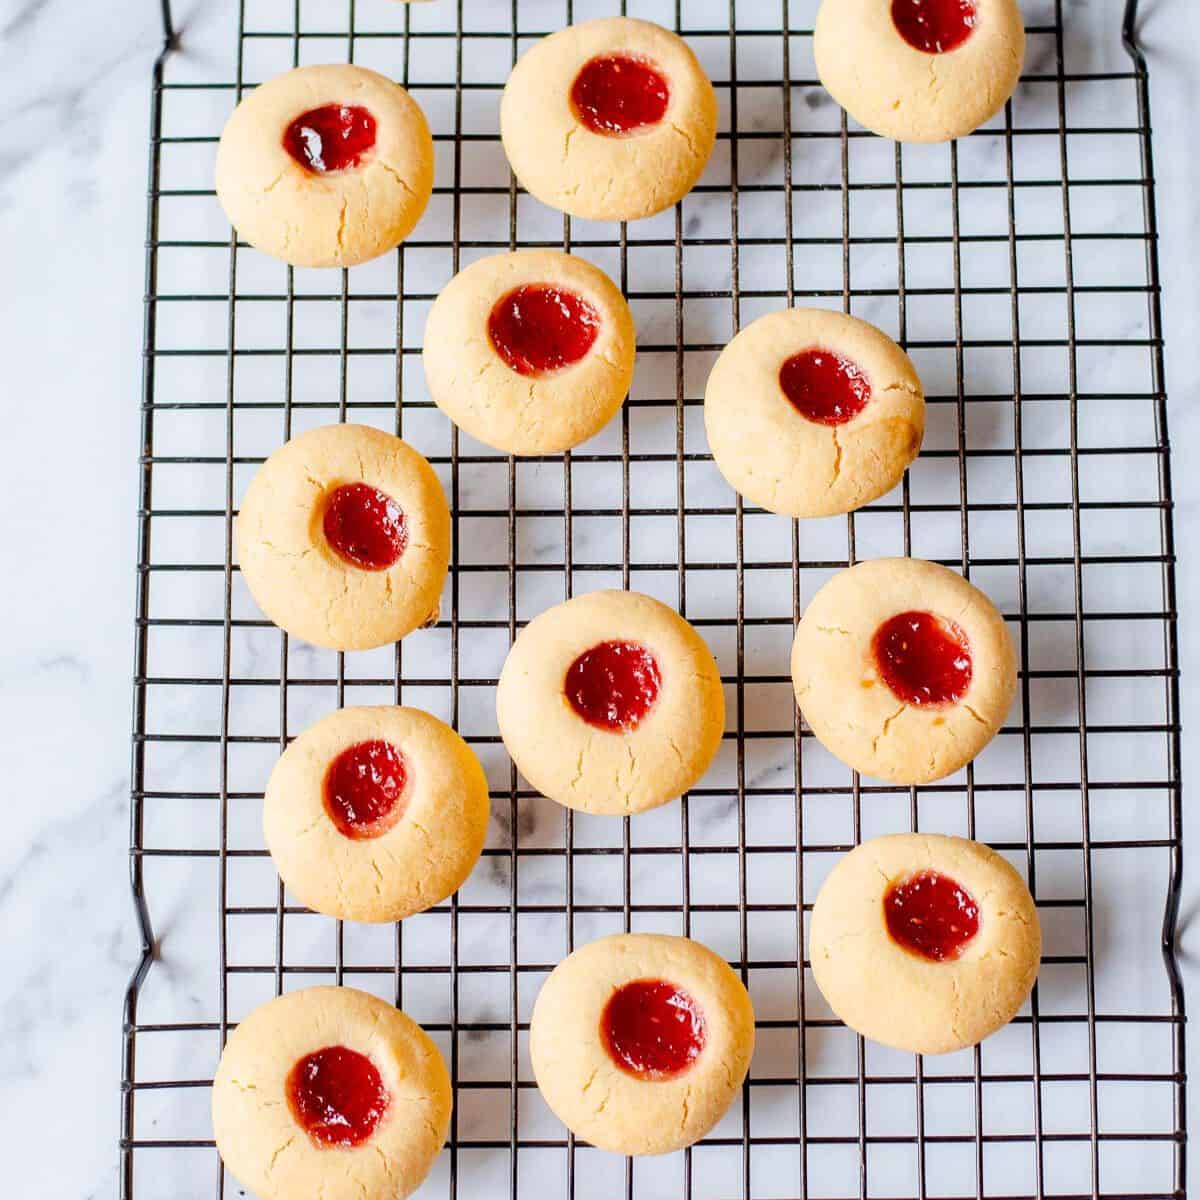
(1018,267)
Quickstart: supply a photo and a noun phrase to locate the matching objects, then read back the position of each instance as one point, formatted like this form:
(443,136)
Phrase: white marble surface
(75,85)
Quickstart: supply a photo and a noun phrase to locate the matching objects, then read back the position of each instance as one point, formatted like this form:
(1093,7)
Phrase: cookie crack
(887,724)
(683,133)
(341,229)
(397,177)
(278,1152)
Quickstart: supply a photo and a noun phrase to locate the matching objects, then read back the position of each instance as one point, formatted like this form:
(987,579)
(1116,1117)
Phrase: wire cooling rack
(1019,268)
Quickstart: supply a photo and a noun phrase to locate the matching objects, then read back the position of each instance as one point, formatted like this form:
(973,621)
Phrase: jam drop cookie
(611,703)
(611,120)
(374,814)
(923,942)
(325,166)
(344,538)
(811,412)
(903,669)
(330,1092)
(640,1041)
(920,70)
(530,352)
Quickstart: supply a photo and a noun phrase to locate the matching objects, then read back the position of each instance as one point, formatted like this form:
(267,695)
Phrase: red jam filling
(336,1095)
(616,94)
(934,26)
(923,659)
(335,137)
(365,526)
(652,1029)
(538,329)
(614,685)
(824,387)
(364,789)
(931,915)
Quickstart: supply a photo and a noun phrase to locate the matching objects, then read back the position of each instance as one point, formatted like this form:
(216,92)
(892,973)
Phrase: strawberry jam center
(365,526)
(616,94)
(336,1095)
(931,915)
(934,26)
(824,387)
(364,789)
(538,329)
(614,685)
(652,1029)
(923,659)
(335,137)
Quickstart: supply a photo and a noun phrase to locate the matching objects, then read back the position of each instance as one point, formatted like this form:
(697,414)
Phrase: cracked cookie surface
(898,91)
(313,219)
(585,1086)
(598,176)
(845,699)
(262,1142)
(901,999)
(302,584)
(416,862)
(526,413)
(782,461)
(611,771)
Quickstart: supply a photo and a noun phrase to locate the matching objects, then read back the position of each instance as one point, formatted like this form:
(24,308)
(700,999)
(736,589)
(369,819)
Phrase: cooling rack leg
(168,23)
(1129,34)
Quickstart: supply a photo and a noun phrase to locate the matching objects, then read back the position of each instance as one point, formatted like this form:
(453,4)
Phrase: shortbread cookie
(325,166)
(640,1041)
(923,942)
(330,1092)
(903,669)
(374,814)
(530,352)
(344,538)
(811,412)
(612,119)
(920,70)
(611,703)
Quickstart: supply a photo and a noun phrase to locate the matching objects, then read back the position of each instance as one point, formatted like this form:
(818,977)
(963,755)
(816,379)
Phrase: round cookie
(641,1041)
(325,166)
(343,538)
(811,412)
(611,703)
(903,669)
(530,352)
(923,942)
(330,1092)
(611,120)
(374,814)
(920,70)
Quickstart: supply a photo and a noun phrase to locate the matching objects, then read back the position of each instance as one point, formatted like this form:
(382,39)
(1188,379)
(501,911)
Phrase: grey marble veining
(72,200)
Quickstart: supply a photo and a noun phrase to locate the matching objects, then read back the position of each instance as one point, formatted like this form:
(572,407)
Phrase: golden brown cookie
(374,814)
(325,166)
(344,538)
(330,1092)
(811,412)
(611,119)
(640,1041)
(923,942)
(611,703)
(530,352)
(920,70)
(903,669)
